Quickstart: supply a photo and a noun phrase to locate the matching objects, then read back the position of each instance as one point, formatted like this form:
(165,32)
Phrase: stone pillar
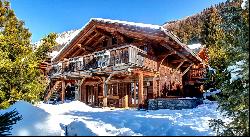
(140,89)
(63,91)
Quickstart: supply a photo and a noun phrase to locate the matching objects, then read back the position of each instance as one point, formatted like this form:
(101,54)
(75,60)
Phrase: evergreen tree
(7,120)
(20,76)
(234,100)
(212,36)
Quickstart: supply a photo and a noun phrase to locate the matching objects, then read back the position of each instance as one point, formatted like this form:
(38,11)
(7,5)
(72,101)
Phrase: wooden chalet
(123,64)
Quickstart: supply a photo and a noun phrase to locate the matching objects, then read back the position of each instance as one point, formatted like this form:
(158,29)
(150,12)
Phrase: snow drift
(80,119)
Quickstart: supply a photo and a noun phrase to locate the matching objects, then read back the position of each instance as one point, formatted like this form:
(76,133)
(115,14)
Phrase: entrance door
(90,94)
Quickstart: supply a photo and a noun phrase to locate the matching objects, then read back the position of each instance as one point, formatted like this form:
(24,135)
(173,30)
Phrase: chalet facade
(123,64)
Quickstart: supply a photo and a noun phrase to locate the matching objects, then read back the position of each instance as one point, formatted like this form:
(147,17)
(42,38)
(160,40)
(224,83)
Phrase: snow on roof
(194,46)
(129,23)
(155,27)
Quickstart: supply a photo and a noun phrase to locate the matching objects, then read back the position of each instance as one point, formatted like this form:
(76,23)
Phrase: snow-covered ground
(80,119)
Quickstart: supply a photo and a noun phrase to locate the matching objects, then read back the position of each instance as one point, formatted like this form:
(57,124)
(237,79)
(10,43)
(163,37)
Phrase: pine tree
(212,36)
(234,100)
(7,120)
(20,76)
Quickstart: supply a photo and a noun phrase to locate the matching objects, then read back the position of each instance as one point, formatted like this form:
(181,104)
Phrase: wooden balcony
(128,55)
(199,73)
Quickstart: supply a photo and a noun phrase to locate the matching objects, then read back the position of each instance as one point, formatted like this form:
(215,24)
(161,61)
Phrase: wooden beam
(145,73)
(176,52)
(178,67)
(63,91)
(185,71)
(87,48)
(90,39)
(135,93)
(104,32)
(155,87)
(81,37)
(140,89)
(164,59)
(98,41)
(77,52)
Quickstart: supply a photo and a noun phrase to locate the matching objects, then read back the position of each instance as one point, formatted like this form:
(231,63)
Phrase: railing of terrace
(128,54)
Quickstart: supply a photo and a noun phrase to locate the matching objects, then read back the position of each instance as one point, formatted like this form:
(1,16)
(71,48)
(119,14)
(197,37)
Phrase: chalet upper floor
(109,45)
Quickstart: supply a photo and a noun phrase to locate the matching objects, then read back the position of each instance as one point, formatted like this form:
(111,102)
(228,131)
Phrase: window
(105,42)
(114,41)
(145,48)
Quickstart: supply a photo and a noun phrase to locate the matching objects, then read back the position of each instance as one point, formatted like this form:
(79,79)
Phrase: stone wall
(173,103)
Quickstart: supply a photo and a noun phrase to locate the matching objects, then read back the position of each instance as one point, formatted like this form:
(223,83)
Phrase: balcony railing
(199,73)
(125,55)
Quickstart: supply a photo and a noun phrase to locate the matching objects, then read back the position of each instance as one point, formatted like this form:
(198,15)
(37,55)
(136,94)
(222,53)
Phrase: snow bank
(33,120)
(98,121)
(80,119)
(159,123)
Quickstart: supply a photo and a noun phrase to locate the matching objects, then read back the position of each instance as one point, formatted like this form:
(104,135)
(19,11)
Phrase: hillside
(189,29)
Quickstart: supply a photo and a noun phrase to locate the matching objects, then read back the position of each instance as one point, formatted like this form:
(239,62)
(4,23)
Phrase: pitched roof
(147,28)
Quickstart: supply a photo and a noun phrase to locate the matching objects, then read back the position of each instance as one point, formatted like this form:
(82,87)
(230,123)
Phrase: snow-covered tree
(234,79)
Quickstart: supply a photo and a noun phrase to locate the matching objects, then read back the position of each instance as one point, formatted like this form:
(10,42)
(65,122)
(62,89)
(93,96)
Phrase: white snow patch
(244,4)
(194,46)
(34,121)
(129,23)
(66,36)
(54,53)
(235,71)
(210,93)
(80,119)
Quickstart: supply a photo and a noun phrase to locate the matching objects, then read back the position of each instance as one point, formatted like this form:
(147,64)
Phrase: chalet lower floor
(121,89)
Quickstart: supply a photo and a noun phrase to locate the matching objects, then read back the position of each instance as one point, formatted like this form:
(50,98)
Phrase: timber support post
(140,89)
(155,87)
(63,91)
(134,93)
(105,89)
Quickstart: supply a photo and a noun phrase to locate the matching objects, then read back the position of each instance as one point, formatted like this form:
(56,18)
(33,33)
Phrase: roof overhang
(132,29)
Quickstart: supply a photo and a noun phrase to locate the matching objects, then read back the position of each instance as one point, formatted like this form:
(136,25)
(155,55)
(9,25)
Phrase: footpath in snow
(81,120)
